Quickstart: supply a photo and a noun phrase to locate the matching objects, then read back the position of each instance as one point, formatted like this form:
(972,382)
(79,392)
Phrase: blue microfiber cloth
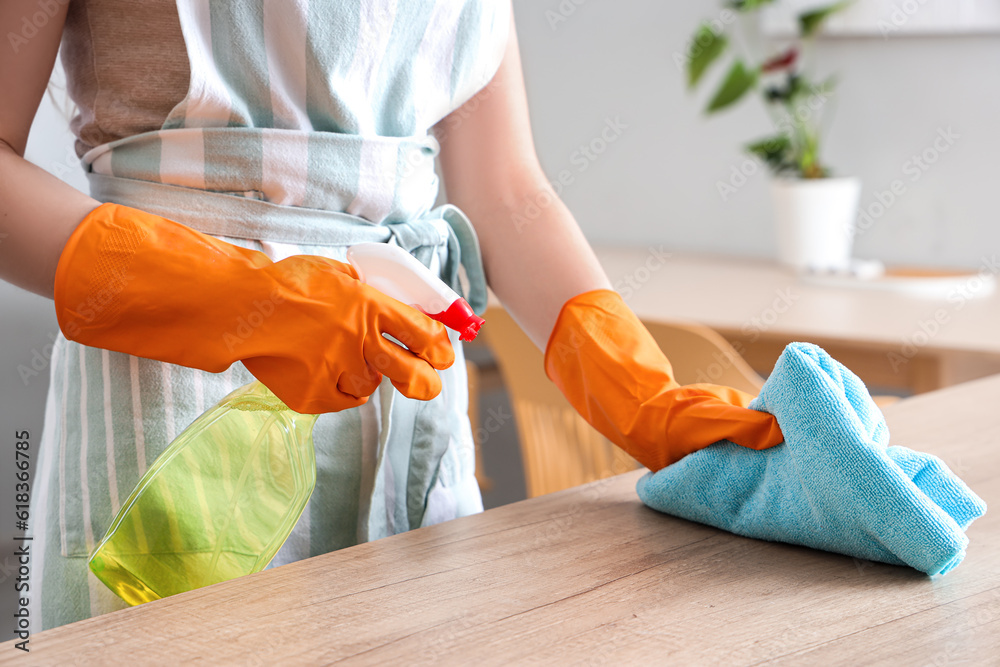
(833,484)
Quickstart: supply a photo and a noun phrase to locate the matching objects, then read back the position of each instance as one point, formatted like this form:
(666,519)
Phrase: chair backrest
(700,354)
(472,373)
(558,447)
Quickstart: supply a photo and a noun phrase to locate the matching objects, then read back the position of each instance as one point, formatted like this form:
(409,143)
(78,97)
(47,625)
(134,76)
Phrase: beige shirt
(126,67)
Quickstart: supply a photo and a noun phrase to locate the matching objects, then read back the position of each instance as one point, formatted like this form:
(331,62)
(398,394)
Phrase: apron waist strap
(232,216)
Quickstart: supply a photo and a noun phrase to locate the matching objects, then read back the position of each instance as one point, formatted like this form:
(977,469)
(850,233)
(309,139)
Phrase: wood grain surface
(591,576)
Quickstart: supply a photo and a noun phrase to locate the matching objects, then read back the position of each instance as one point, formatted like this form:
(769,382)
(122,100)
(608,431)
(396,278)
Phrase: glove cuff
(138,283)
(600,320)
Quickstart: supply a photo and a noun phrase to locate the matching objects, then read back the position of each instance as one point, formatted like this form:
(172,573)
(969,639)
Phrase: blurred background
(597,68)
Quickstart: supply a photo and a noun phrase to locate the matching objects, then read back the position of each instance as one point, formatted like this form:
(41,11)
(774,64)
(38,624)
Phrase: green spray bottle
(223,497)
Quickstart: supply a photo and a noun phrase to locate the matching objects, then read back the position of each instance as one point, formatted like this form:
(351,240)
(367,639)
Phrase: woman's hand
(306,327)
(611,370)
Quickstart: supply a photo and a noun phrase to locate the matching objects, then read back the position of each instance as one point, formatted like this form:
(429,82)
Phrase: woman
(234,151)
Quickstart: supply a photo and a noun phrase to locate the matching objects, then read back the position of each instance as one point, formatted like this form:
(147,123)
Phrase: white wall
(657,183)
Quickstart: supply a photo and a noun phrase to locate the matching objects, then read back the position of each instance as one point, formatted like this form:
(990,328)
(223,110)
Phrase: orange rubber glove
(306,327)
(609,367)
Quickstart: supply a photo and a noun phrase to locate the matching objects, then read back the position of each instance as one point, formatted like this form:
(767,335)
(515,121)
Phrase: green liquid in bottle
(217,504)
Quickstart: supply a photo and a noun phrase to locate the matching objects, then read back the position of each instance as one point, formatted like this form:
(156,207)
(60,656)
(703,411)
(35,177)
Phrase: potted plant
(814,211)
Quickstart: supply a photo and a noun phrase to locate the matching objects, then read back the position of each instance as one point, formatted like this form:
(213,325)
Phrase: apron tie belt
(220,214)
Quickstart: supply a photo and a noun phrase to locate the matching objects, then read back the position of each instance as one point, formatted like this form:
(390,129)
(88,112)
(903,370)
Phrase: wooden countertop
(591,576)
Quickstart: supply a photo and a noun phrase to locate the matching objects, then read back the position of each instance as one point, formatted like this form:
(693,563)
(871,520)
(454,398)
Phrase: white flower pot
(814,220)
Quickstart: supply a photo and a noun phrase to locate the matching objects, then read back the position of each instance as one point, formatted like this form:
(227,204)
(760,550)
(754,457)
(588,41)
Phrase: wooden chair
(558,447)
(472,371)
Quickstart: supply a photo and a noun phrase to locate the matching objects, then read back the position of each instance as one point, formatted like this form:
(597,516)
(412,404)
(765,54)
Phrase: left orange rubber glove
(305,326)
(611,370)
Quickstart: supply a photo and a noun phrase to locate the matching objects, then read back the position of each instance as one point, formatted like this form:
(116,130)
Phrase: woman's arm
(534,263)
(598,353)
(38,212)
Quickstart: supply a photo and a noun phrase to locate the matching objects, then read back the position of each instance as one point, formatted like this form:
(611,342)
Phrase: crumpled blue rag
(834,484)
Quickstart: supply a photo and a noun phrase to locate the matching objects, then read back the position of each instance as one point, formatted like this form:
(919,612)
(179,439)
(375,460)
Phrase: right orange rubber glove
(612,371)
(306,326)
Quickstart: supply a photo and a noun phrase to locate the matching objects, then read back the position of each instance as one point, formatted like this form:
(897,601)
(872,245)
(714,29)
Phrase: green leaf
(810,22)
(705,49)
(738,81)
(749,5)
(774,150)
(826,86)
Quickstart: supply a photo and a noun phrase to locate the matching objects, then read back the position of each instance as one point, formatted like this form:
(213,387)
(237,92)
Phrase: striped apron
(287,153)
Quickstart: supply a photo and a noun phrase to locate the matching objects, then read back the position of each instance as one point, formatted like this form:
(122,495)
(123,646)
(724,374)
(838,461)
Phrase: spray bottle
(220,501)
